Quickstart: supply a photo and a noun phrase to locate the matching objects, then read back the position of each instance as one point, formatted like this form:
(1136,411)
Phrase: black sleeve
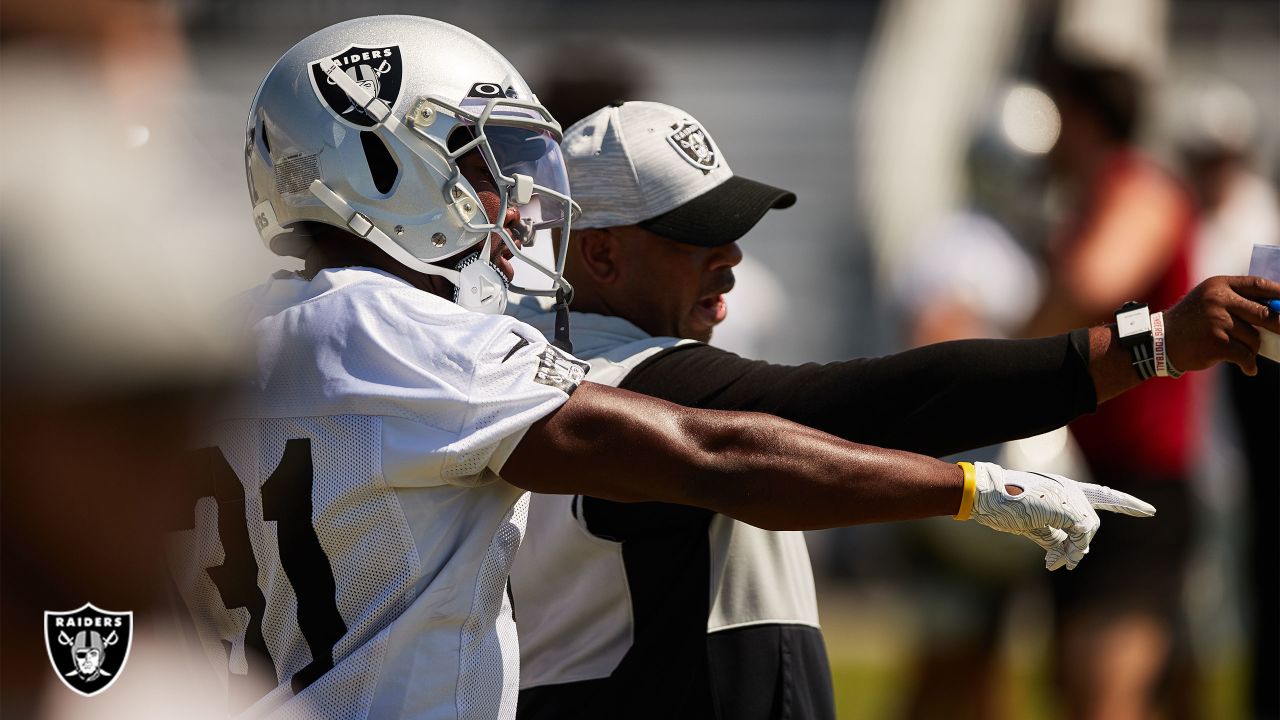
(623,522)
(936,400)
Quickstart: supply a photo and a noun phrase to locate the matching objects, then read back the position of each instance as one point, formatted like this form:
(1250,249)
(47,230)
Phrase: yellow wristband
(970,489)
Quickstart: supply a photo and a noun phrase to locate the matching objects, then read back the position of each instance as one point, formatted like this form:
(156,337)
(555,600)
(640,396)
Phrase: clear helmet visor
(520,147)
(535,155)
(521,152)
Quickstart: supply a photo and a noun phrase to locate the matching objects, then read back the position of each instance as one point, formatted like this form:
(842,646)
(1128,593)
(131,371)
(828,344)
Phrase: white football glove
(1055,512)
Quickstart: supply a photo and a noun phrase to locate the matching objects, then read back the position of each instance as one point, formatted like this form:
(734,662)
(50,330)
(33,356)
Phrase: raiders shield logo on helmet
(378,69)
(88,646)
(694,145)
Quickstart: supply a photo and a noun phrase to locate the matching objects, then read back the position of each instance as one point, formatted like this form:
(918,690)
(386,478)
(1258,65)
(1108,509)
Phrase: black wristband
(1144,360)
(1133,330)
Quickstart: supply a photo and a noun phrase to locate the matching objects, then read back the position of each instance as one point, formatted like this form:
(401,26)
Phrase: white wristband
(1164,368)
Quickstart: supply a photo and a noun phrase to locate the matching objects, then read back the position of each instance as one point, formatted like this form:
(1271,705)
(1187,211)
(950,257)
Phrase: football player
(356,512)
(720,614)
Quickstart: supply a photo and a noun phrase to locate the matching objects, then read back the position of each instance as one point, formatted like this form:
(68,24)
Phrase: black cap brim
(722,214)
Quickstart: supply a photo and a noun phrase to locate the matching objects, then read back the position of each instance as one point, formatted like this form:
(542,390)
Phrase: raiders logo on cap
(88,646)
(379,69)
(694,145)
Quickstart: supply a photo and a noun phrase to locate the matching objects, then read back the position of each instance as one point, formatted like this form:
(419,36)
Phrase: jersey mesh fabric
(407,407)
(189,553)
(359,676)
(374,571)
(361,529)
(490,657)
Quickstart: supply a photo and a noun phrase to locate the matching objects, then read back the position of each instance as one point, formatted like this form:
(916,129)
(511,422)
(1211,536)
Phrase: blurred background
(966,168)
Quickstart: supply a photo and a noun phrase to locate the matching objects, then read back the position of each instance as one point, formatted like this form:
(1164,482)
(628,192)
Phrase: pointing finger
(1102,497)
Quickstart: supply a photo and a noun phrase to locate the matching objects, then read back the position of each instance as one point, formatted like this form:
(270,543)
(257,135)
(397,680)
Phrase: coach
(656,610)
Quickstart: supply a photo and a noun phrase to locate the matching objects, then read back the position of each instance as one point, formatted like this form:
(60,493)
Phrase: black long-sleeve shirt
(935,400)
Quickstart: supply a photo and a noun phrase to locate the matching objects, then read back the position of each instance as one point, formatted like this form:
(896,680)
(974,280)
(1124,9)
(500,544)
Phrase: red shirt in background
(1148,431)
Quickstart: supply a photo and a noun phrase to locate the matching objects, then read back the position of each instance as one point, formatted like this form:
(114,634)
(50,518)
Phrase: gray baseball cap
(654,165)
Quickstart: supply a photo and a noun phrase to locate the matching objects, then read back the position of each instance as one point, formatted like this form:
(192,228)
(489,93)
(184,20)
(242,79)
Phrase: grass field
(871,637)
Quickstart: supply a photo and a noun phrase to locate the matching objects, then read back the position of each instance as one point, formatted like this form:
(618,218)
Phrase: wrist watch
(1133,321)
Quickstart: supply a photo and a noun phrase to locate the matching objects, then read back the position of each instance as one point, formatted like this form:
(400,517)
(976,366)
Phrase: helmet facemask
(518,141)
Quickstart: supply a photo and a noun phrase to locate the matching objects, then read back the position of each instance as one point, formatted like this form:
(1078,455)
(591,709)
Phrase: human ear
(598,250)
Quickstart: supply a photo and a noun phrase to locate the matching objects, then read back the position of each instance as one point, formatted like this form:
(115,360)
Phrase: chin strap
(481,286)
(562,340)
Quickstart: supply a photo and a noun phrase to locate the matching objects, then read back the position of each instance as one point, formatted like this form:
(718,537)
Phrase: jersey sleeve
(517,381)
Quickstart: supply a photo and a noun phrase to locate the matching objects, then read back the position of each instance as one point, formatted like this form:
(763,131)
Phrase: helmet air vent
(382,166)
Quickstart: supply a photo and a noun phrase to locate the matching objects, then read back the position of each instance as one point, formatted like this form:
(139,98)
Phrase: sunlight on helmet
(1030,119)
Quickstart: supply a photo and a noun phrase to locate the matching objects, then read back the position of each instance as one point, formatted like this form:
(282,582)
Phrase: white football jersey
(351,538)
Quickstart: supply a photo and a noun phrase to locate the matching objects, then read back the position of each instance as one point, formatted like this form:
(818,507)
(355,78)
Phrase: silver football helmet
(361,126)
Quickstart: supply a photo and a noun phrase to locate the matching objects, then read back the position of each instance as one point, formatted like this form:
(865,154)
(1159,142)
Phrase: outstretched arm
(761,469)
(778,475)
(934,400)
(945,398)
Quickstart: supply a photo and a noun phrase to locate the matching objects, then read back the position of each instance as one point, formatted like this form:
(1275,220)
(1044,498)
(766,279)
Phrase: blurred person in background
(718,613)
(943,287)
(1239,210)
(580,75)
(963,585)
(110,352)
(1126,234)
(1238,204)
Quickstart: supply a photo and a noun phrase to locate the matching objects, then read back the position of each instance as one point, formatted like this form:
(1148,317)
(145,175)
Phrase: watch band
(1143,361)
(1133,329)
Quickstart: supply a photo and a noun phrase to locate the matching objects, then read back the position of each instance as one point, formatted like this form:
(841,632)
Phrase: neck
(587,299)
(327,257)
